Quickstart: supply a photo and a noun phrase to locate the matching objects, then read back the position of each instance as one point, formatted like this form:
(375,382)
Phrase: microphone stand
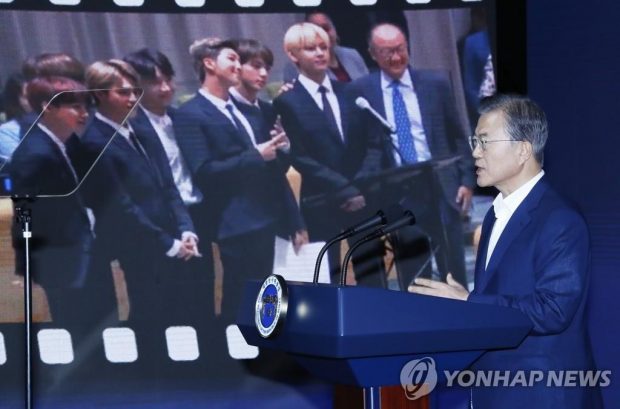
(347,257)
(23,216)
(317,265)
(407,220)
(387,135)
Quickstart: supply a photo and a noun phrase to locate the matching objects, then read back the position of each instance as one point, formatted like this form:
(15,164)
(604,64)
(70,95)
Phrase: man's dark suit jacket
(157,154)
(236,181)
(61,229)
(138,208)
(327,163)
(540,267)
(444,133)
(144,128)
(262,120)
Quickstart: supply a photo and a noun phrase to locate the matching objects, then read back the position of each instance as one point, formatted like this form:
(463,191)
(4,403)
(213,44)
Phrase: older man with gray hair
(533,256)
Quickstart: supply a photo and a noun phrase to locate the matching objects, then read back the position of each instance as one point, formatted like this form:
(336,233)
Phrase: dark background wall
(573,69)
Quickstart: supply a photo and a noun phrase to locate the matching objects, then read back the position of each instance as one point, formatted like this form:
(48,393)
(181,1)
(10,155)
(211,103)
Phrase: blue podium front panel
(364,336)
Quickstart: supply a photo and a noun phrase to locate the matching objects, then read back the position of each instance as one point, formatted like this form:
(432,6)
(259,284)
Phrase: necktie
(403,126)
(257,121)
(136,145)
(246,136)
(327,109)
(135,142)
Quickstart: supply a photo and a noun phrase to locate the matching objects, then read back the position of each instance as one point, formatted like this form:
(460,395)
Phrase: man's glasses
(475,141)
(386,53)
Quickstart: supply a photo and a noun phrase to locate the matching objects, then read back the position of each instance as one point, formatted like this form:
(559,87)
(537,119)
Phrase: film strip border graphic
(238,6)
(56,347)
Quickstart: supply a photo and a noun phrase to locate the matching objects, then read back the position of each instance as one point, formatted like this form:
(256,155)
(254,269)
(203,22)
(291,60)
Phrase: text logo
(418,377)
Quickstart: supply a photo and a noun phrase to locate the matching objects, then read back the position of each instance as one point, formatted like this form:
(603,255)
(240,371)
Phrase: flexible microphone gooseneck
(379,219)
(407,219)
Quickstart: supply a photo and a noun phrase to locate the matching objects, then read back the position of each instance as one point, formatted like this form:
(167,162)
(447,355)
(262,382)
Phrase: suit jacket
(61,229)
(157,154)
(262,120)
(134,200)
(444,133)
(349,58)
(227,168)
(540,267)
(327,163)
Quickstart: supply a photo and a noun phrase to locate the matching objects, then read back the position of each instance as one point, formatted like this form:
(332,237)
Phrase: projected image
(208,150)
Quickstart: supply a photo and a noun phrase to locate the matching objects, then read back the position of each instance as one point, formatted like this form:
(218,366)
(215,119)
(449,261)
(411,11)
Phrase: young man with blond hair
(321,121)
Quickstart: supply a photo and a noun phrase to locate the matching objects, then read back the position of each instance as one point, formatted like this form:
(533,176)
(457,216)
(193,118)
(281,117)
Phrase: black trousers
(244,257)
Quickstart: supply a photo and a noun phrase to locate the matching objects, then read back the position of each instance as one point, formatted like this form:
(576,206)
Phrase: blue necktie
(403,126)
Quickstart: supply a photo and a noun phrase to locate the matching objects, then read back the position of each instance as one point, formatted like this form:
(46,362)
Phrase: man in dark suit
(62,226)
(256,61)
(231,166)
(327,148)
(421,105)
(153,122)
(533,256)
(141,219)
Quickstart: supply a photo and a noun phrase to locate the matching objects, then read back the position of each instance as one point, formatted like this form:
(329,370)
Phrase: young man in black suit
(153,121)
(256,61)
(231,166)
(62,226)
(141,219)
(326,148)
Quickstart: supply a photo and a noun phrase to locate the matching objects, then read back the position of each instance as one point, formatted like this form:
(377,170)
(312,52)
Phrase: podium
(364,336)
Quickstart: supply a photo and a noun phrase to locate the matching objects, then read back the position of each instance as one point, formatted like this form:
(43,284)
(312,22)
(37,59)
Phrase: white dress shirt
(504,208)
(413,112)
(237,95)
(221,105)
(180,173)
(123,130)
(313,89)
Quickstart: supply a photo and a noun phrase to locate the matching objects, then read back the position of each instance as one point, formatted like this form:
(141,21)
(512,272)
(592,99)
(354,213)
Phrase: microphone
(363,103)
(407,219)
(379,219)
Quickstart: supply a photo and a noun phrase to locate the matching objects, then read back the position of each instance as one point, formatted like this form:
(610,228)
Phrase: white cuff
(174,250)
(187,234)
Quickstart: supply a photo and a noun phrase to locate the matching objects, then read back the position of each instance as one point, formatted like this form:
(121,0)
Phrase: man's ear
(372,54)
(526,151)
(99,95)
(292,56)
(209,64)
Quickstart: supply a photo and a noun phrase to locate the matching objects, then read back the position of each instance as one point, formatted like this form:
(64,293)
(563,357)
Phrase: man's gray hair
(525,120)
